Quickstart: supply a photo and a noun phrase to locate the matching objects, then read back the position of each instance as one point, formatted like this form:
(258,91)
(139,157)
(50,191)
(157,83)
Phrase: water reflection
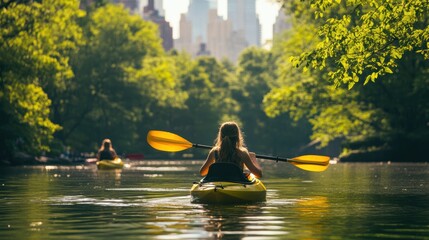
(84,200)
(161,169)
(150,200)
(240,221)
(109,174)
(311,212)
(313,207)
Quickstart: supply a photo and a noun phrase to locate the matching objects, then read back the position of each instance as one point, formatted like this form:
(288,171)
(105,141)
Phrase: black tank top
(107,155)
(235,160)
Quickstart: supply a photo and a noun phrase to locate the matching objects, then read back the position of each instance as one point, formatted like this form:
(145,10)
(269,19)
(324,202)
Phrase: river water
(150,200)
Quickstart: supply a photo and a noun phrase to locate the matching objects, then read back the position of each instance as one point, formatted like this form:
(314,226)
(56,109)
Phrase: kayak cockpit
(226,183)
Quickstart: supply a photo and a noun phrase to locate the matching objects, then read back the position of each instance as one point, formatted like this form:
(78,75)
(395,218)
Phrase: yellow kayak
(226,183)
(228,192)
(117,163)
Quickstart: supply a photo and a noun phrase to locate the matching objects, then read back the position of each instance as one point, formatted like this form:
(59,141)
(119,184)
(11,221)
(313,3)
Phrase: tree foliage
(121,75)
(368,39)
(210,101)
(35,39)
(324,76)
(355,71)
(257,74)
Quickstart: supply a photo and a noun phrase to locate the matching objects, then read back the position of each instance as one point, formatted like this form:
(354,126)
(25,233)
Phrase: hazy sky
(266,9)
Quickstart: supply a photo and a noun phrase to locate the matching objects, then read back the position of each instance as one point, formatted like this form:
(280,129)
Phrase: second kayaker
(229,147)
(106,151)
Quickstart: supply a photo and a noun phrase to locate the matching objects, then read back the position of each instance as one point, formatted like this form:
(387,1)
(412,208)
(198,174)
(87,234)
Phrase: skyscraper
(184,43)
(198,12)
(202,26)
(194,26)
(282,23)
(245,21)
(165,30)
(132,5)
(218,35)
(159,5)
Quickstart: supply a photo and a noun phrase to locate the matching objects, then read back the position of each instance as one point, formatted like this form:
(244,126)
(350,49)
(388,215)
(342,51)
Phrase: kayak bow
(226,183)
(228,192)
(117,163)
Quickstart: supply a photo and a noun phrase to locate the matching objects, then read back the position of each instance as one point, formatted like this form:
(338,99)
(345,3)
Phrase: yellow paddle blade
(166,141)
(314,163)
(311,167)
(311,159)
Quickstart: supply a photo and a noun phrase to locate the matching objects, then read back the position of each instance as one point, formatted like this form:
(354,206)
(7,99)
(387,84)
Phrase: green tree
(206,83)
(121,74)
(256,75)
(209,101)
(35,40)
(368,39)
(387,115)
(162,96)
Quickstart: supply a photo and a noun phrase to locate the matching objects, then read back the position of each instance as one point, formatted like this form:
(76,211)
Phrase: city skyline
(204,32)
(267,11)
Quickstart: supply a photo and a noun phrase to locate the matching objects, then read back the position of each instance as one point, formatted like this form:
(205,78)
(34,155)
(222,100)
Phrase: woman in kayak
(106,151)
(230,148)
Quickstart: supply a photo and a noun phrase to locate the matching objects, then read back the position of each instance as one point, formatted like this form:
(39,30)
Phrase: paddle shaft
(278,159)
(170,142)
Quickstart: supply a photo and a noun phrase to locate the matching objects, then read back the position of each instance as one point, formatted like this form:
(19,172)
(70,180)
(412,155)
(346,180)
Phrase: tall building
(185,43)
(198,12)
(244,20)
(236,44)
(203,31)
(165,30)
(218,35)
(159,5)
(282,23)
(132,5)
(203,51)
(194,27)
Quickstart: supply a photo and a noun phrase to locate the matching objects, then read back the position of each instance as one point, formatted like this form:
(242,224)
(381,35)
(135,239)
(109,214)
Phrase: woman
(106,151)
(230,148)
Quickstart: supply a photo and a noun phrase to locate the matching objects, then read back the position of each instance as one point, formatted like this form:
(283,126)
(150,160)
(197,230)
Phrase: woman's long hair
(106,145)
(229,139)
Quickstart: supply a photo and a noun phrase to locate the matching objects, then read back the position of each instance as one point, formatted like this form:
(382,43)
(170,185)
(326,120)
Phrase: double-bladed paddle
(170,142)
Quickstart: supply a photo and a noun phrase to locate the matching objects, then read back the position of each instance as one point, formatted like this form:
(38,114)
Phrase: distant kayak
(117,163)
(227,184)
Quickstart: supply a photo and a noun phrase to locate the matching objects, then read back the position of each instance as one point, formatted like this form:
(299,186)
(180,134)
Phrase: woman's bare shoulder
(213,150)
(243,151)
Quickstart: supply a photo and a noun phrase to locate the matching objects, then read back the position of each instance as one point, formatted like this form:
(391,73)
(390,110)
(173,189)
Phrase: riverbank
(25,159)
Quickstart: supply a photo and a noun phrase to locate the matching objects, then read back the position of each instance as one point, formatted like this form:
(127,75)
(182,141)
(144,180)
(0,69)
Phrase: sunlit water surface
(150,200)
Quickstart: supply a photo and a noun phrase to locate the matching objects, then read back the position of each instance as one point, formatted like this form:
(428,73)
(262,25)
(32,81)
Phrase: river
(150,200)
